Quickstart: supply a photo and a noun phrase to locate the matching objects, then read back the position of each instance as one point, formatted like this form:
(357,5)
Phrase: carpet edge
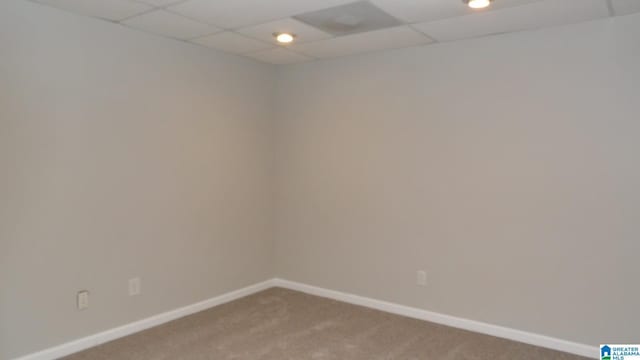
(443,319)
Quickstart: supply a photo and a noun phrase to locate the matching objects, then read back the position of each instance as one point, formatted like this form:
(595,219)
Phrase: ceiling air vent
(348,19)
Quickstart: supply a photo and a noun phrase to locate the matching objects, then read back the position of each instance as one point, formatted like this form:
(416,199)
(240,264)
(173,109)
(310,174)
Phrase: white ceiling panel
(279,56)
(246,27)
(413,11)
(114,10)
(531,16)
(353,18)
(397,37)
(231,42)
(625,7)
(233,14)
(168,24)
(265,32)
(161,3)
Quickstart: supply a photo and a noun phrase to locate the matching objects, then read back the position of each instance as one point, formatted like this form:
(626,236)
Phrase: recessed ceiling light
(284,38)
(478,4)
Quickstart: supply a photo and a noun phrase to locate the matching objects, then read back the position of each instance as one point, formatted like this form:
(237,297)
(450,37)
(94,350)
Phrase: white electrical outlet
(421,278)
(134,286)
(83,299)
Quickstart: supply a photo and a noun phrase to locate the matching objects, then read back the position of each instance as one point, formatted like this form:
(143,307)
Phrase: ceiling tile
(161,3)
(168,24)
(278,56)
(231,42)
(239,13)
(265,31)
(413,11)
(353,18)
(397,37)
(114,10)
(531,16)
(624,7)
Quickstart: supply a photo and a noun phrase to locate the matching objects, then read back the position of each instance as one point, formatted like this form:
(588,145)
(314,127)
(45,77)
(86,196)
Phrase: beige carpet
(279,324)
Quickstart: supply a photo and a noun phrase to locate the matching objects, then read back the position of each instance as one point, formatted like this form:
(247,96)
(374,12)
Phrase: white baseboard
(128,329)
(471,325)
(475,326)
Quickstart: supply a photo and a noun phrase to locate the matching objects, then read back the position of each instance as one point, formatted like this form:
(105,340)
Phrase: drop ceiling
(246,27)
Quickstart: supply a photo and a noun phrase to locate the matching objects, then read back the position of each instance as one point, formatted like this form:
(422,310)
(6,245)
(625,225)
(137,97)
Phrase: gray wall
(123,154)
(506,166)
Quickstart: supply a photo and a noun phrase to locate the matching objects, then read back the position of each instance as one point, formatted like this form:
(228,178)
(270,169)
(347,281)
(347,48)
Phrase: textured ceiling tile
(168,24)
(302,31)
(532,16)
(391,38)
(114,10)
(232,42)
(233,14)
(357,17)
(413,11)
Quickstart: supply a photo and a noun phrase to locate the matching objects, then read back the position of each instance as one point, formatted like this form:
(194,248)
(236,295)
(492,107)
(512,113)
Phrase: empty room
(319,179)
